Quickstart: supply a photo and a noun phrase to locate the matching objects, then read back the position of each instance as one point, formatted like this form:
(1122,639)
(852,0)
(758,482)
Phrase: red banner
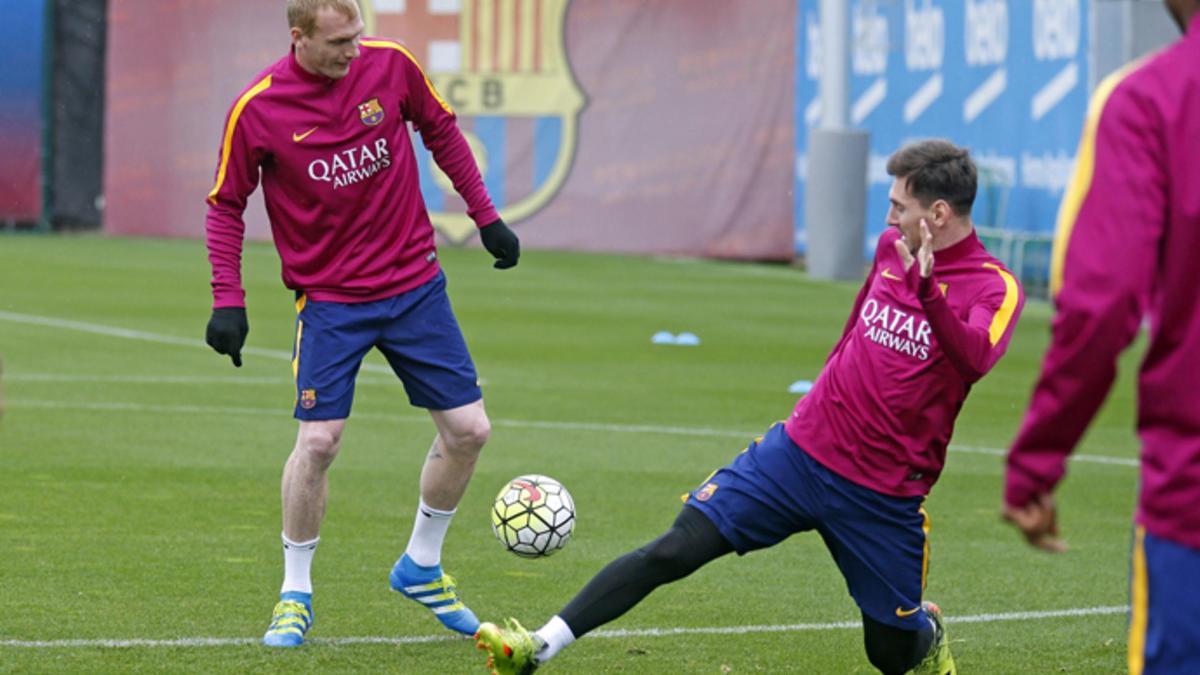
(642,126)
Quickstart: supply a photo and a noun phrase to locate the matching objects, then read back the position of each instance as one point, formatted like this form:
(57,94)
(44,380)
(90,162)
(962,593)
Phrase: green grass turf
(139,489)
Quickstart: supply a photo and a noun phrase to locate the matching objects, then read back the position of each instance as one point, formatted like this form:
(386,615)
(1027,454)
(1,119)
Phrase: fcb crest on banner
(502,66)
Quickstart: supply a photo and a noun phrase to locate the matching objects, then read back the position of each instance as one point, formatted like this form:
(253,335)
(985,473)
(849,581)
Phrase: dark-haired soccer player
(860,452)
(1126,248)
(325,128)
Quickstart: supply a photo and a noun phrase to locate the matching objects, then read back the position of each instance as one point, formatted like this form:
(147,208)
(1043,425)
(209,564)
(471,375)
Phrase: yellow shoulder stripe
(1081,177)
(229,127)
(1003,315)
(388,44)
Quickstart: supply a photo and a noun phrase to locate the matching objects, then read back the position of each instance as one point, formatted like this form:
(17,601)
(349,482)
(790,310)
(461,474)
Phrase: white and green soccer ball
(533,516)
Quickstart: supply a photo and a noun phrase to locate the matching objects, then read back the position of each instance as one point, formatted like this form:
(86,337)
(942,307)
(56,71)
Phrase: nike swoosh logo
(887,274)
(296,138)
(906,612)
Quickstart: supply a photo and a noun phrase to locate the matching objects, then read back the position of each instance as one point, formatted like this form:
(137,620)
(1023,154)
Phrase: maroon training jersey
(882,410)
(339,177)
(1126,249)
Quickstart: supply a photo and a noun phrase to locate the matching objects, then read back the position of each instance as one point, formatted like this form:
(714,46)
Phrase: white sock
(429,531)
(556,634)
(297,564)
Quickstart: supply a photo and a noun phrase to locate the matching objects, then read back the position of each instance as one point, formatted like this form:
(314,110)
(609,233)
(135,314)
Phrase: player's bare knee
(319,445)
(468,438)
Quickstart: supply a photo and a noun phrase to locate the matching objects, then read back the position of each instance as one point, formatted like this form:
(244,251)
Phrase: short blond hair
(302,14)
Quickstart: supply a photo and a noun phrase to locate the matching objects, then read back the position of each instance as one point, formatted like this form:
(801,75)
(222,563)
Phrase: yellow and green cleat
(938,661)
(510,649)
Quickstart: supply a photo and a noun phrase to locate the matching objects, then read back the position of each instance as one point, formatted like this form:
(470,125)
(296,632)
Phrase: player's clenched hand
(502,243)
(227,329)
(1038,521)
(924,252)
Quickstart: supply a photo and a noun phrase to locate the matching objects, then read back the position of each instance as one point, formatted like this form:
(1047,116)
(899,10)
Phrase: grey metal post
(836,185)
(1123,30)
(835,64)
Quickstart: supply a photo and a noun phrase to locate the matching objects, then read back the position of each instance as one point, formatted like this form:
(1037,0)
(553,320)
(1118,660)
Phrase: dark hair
(936,169)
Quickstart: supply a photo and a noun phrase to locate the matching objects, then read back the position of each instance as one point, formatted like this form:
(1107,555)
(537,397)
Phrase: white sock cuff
(560,628)
(299,545)
(557,635)
(435,513)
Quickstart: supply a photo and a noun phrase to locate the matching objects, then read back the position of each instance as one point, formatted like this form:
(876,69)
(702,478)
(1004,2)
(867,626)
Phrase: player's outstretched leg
(510,649)
(292,618)
(938,661)
(434,589)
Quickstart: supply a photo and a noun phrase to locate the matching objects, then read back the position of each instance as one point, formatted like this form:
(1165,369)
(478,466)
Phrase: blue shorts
(416,331)
(774,489)
(1164,626)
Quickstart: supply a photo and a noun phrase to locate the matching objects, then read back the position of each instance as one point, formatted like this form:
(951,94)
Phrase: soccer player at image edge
(1125,253)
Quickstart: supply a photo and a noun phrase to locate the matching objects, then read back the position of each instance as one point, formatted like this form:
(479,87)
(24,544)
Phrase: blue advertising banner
(1006,78)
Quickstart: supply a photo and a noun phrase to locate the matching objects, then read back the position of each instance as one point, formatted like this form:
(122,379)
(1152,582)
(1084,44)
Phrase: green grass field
(139,506)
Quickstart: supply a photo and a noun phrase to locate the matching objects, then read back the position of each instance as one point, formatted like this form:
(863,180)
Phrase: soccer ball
(533,516)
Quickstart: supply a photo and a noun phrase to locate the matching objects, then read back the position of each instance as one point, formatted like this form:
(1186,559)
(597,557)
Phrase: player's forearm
(1059,412)
(224,231)
(967,347)
(453,156)
(1037,460)
(1077,373)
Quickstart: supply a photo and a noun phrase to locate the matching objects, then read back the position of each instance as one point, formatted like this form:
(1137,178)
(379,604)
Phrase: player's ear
(941,213)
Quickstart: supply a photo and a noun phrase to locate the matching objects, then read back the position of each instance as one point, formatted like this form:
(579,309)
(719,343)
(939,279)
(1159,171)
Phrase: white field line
(230,380)
(144,336)
(1094,459)
(112,331)
(548,425)
(271,412)
(616,633)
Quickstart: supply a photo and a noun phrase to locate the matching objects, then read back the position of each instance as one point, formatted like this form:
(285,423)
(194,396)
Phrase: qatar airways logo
(895,329)
(352,166)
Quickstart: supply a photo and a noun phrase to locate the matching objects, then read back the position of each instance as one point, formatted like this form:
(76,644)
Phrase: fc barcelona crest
(503,68)
(370,112)
(308,398)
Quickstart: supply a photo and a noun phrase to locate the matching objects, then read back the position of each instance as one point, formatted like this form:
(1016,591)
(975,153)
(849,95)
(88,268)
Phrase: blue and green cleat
(938,661)
(292,618)
(434,589)
(511,650)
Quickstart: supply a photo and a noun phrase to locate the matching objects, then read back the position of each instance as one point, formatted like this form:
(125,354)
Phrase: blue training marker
(801,387)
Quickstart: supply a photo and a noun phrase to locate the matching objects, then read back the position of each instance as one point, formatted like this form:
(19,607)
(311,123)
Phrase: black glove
(227,331)
(502,243)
